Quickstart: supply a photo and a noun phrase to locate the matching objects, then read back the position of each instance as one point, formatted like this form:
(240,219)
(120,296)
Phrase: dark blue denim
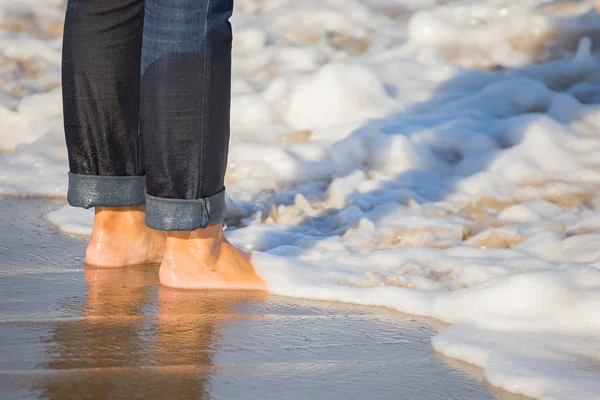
(146,96)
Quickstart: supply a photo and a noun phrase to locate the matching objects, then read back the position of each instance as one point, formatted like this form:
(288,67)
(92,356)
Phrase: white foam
(73,220)
(368,166)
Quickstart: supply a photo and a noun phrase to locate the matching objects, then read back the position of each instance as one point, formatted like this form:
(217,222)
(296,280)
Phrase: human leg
(186,85)
(101,98)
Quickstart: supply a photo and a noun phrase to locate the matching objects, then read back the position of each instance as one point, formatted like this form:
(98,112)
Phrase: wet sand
(71,333)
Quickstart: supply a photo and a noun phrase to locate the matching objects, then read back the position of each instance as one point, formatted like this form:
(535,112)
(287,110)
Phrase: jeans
(146,99)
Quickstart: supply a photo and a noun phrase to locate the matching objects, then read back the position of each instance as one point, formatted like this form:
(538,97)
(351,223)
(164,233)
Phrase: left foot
(121,238)
(204,259)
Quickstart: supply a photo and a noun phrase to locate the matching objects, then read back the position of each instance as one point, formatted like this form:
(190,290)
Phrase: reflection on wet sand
(137,339)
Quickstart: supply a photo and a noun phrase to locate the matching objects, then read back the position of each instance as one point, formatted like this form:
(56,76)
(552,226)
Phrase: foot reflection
(191,322)
(137,339)
(118,293)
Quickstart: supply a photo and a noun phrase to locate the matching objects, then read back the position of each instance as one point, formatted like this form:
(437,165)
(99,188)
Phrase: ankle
(120,213)
(213,232)
(210,236)
(117,221)
(202,242)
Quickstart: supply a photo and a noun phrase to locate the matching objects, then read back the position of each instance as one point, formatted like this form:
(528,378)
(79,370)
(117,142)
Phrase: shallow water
(71,333)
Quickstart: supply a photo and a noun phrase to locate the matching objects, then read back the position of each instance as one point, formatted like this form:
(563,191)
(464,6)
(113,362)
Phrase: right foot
(121,238)
(204,259)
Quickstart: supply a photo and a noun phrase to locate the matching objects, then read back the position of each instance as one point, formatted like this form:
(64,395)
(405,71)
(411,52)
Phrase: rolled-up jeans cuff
(185,215)
(105,191)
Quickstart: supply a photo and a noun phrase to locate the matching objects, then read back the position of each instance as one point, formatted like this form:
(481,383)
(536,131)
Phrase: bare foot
(204,259)
(120,238)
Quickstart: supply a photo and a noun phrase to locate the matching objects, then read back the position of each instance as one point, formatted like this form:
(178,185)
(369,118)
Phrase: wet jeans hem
(89,191)
(185,215)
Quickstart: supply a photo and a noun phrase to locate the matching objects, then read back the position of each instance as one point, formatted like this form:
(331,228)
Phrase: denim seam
(205,215)
(203,120)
